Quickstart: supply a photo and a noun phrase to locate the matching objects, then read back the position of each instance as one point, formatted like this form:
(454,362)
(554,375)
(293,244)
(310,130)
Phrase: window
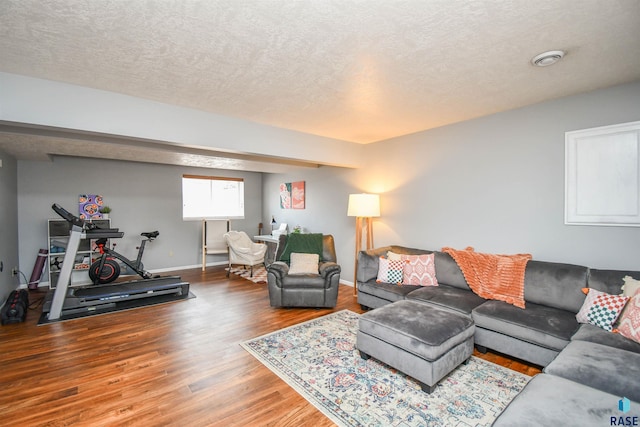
(211,197)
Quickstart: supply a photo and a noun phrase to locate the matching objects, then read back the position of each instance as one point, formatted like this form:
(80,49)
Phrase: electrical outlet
(14,271)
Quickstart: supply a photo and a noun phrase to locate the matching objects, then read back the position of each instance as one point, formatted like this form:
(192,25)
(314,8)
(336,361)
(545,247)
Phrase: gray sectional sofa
(587,370)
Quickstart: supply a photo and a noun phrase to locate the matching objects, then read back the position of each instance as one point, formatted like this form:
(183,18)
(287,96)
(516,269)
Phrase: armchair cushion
(304,263)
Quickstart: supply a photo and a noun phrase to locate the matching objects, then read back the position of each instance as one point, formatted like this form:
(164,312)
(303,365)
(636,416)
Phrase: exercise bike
(106,269)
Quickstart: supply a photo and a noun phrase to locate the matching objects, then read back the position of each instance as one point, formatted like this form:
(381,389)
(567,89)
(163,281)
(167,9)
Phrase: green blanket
(302,244)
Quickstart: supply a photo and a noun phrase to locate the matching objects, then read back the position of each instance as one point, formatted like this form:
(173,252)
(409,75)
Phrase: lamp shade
(364,205)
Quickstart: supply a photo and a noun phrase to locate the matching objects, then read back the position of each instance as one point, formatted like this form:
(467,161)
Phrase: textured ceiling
(359,71)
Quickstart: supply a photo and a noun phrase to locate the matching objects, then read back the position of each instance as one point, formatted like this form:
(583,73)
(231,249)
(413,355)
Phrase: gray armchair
(304,290)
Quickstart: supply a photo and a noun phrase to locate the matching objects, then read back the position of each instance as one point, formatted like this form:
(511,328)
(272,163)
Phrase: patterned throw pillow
(419,270)
(629,325)
(601,309)
(390,271)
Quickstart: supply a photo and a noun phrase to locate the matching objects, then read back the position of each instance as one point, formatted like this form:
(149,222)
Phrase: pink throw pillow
(629,324)
(419,270)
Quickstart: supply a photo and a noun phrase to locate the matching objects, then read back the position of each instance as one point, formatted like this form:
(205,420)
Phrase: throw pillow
(601,309)
(629,325)
(390,271)
(393,256)
(304,263)
(630,286)
(419,270)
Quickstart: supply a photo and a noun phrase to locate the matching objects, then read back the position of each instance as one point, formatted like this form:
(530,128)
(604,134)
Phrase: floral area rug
(319,360)
(259,273)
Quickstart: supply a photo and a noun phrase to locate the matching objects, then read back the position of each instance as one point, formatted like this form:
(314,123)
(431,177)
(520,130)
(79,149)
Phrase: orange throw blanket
(499,277)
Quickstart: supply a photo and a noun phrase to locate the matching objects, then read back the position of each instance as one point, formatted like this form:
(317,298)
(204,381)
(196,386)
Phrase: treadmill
(71,302)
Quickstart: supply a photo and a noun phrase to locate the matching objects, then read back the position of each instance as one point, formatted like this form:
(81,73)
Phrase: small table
(272,247)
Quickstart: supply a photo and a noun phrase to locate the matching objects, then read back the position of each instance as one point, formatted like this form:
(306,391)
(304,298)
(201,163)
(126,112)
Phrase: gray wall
(8,226)
(144,197)
(327,191)
(495,183)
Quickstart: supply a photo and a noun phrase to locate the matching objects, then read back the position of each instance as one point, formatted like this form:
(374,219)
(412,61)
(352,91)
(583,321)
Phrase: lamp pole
(364,207)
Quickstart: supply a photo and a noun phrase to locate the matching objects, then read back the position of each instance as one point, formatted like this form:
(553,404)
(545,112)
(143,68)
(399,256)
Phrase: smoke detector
(547,58)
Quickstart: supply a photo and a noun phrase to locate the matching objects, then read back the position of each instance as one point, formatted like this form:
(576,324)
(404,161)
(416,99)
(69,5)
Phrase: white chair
(243,250)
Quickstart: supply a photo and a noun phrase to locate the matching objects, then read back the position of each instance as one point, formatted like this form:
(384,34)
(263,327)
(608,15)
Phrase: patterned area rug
(259,273)
(319,360)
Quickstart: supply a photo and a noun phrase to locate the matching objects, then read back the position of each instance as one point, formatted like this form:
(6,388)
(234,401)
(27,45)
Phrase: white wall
(144,197)
(9,227)
(495,183)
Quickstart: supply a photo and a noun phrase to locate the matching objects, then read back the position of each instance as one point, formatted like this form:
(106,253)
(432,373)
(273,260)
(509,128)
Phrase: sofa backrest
(448,272)
(610,281)
(555,285)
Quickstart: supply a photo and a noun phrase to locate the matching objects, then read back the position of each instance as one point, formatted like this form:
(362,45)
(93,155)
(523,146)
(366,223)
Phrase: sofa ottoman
(424,342)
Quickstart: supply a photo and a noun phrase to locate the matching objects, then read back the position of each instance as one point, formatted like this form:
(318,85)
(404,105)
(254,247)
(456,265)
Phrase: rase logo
(624,405)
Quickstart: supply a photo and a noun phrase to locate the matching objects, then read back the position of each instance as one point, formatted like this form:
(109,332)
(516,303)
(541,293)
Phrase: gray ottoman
(423,341)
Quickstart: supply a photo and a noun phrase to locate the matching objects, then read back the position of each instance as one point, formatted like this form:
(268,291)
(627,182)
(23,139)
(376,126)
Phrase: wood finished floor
(173,364)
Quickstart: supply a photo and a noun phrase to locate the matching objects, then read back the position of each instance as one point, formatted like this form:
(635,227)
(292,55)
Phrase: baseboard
(346,282)
(186,267)
(154,271)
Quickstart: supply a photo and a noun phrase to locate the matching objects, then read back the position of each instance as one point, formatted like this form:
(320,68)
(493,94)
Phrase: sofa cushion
(598,335)
(448,298)
(609,281)
(386,291)
(538,324)
(555,285)
(448,272)
(601,309)
(608,369)
(298,281)
(553,401)
(419,270)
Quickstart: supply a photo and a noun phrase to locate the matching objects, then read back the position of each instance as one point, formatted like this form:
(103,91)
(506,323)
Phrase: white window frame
(212,198)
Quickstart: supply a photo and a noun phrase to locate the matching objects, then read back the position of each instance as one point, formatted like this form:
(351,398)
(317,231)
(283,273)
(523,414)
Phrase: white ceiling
(354,70)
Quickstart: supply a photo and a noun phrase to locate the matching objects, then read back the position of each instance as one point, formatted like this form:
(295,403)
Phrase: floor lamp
(363,207)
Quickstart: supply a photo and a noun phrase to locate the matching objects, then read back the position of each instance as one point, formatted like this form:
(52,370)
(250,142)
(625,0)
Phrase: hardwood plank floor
(172,364)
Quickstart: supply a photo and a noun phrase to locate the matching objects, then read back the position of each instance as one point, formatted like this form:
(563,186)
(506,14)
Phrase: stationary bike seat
(151,234)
